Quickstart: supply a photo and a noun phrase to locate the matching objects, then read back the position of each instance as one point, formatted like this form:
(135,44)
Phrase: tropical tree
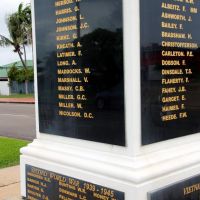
(19,27)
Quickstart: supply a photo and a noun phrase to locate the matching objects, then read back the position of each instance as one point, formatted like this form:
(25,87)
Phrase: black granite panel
(80,69)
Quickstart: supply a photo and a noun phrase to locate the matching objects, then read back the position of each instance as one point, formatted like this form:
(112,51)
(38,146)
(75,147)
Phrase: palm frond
(20,8)
(4,41)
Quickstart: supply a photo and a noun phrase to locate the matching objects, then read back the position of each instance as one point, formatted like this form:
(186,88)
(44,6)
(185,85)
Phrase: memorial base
(110,174)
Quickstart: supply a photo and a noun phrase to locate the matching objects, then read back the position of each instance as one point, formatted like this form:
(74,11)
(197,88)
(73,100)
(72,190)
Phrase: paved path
(17,121)
(17,100)
(10,183)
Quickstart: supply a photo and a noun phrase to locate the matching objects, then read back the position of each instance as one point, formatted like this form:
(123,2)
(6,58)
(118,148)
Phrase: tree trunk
(26,86)
(24,64)
(25,54)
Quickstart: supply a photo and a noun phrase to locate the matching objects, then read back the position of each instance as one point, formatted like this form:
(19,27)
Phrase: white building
(4,81)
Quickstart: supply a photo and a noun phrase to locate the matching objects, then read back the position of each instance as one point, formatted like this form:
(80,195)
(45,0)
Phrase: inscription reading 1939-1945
(188,189)
(45,185)
(80,69)
(170,69)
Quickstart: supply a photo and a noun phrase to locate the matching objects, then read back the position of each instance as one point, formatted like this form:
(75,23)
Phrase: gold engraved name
(66,28)
(100,196)
(61,197)
(63,2)
(64,11)
(170,62)
(34,193)
(173,53)
(33,187)
(180,44)
(33,181)
(168,90)
(36,175)
(65,88)
(69,80)
(66,97)
(31,198)
(66,54)
(173,35)
(172,71)
(169,117)
(66,19)
(170,6)
(173,16)
(69,114)
(72,194)
(69,71)
(62,37)
(170,99)
(191,189)
(170,108)
(67,46)
(169,25)
(63,63)
(66,185)
(172,80)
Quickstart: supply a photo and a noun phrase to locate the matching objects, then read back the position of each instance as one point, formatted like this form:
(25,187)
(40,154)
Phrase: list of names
(72,75)
(178,48)
(46,185)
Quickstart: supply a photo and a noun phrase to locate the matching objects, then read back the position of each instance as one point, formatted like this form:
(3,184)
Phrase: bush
(20,75)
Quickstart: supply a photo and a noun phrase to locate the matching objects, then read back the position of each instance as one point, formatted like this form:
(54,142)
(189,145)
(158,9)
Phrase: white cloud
(7,7)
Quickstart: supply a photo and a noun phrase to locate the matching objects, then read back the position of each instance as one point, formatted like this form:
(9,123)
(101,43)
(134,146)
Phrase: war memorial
(118,101)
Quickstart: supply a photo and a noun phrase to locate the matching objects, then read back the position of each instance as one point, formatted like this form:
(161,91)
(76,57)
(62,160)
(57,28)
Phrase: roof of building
(18,64)
(5,68)
(3,73)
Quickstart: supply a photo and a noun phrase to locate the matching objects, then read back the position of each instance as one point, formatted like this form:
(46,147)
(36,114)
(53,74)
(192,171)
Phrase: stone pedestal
(71,167)
(136,176)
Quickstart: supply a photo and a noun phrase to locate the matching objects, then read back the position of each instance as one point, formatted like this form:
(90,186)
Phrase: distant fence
(19,88)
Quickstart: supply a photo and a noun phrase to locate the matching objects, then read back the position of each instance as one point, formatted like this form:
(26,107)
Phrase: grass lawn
(17,96)
(9,151)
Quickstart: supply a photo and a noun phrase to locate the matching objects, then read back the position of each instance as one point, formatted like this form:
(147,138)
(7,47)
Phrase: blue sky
(6,54)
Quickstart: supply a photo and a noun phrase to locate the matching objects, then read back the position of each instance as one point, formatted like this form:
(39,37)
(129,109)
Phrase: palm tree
(19,27)
(23,17)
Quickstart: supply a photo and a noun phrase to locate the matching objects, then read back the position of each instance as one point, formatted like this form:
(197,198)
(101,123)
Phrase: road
(17,121)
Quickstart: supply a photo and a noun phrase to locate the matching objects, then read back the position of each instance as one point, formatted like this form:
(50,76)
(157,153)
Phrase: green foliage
(19,27)
(9,149)
(20,75)
(29,74)
(12,73)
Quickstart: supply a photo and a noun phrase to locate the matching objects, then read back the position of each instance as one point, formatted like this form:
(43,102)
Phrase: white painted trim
(132,75)
(135,170)
(35,68)
(120,183)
